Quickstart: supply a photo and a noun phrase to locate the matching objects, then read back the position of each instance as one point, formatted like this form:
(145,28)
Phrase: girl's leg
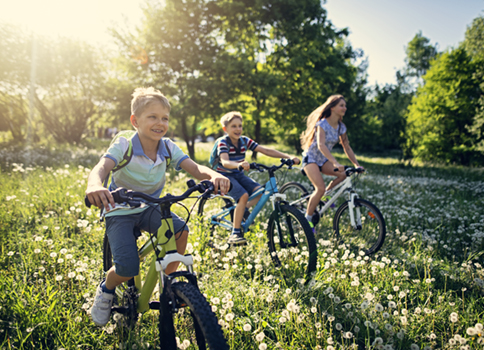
(328,169)
(314,174)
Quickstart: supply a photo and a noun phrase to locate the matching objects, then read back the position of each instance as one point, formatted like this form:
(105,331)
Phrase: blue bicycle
(290,238)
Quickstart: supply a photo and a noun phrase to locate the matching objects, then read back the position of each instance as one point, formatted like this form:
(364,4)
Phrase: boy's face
(152,123)
(234,128)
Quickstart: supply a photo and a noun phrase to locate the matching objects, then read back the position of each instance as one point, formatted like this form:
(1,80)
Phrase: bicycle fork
(355,215)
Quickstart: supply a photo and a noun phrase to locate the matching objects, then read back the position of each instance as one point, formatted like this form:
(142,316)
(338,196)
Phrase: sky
(381,28)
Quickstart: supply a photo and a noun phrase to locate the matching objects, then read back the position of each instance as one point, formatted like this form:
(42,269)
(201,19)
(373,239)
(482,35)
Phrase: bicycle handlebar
(122,195)
(262,167)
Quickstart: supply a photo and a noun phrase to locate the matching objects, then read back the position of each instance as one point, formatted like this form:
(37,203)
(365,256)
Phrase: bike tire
(294,191)
(293,242)
(370,237)
(212,206)
(205,333)
(107,255)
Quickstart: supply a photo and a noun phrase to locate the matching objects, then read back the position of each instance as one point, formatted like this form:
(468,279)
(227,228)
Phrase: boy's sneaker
(236,238)
(101,308)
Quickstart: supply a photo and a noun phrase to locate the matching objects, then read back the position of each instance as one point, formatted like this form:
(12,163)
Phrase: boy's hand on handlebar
(296,160)
(220,183)
(244,165)
(100,197)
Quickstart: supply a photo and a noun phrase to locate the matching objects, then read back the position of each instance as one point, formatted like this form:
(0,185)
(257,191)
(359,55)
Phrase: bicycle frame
(344,186)
(270,193)
(167,254)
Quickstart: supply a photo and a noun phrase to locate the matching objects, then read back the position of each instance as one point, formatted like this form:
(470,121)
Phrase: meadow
(423,290)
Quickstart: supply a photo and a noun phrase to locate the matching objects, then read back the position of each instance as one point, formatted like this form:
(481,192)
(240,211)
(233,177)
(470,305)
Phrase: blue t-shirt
(142,174)
(236,154)
(332,135)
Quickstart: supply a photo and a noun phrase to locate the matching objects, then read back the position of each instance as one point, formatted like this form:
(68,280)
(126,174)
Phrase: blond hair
(228,117)
(323,111)
(142,97)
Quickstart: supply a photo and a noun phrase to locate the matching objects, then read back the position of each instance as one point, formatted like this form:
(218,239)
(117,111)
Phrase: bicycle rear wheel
(370,232)
(295,193)
(195,321)
(213,206)
(292,245)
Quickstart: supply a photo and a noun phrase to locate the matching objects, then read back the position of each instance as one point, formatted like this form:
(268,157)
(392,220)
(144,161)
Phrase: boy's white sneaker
(101,308)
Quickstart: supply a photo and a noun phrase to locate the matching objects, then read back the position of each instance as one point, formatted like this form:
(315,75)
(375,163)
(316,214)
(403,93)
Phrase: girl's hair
(323,111)
(142,97)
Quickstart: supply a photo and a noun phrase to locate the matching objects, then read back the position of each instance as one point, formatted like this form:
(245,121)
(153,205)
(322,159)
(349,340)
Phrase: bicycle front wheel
(292,245)
(369,232)
(195,321)
(296,195)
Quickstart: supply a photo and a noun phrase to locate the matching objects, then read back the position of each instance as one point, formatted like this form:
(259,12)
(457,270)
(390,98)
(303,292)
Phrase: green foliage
(443,109)
(419,55)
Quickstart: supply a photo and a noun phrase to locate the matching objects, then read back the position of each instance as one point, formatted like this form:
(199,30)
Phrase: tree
(443,109)
(183,58)
(474,45)
(419,55)
(69,83)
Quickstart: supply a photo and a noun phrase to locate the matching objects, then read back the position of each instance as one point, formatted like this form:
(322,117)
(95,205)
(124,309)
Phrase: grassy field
(423,290)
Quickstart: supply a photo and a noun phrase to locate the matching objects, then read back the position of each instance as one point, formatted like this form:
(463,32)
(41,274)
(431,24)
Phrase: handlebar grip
(87,203)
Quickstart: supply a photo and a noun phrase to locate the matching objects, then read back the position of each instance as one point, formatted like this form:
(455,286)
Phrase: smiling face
(339,109)
(234,129)
(152,122)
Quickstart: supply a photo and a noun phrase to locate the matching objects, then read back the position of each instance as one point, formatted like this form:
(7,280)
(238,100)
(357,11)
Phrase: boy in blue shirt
(231,151)
(145,172)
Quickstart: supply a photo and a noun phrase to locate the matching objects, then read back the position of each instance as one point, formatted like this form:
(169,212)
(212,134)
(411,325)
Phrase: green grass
(423,289)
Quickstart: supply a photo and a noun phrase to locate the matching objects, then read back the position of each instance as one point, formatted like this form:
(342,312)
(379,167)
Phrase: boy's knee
(244,198)
(127,270)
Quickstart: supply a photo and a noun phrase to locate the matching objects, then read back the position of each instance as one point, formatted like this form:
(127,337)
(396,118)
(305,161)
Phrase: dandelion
(338,326)
(259,337)
(454,317)
(282,319)
(262,346)
(414,347)
(229,317)
(378,307)
(37,251)
(58,278)
(247,327)
(215,301)
(29,330)
(63,251)
(71,274)
(392,305)
(53,254)
(314,310)
(10,253)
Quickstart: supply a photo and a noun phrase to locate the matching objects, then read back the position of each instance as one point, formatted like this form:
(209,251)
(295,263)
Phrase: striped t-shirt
(236,154)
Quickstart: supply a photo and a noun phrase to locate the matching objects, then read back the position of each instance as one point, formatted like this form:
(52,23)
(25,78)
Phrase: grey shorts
(122,231)
(241,184)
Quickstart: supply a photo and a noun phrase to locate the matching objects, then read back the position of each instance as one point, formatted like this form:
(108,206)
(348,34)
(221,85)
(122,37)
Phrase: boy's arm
(275,153)
(201,172)
(96,192)
(230,164)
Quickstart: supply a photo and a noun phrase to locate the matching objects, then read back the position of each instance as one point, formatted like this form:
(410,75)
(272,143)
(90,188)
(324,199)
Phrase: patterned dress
(313,154)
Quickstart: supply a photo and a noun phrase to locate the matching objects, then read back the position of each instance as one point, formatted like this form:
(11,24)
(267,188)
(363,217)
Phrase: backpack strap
(167,159)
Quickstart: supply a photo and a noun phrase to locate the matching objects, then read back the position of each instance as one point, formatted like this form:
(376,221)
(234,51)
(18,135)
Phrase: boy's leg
(251,187)
(122,241)
(240,195)
(240,210)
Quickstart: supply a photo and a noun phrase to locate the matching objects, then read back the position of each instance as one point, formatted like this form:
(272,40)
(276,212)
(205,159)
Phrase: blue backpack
(128,134)
(214,158)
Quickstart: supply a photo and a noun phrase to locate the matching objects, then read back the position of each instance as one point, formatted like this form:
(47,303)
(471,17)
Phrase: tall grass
(423,290)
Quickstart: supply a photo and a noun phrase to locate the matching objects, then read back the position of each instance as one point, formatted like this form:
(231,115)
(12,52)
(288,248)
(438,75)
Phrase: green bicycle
(178,290)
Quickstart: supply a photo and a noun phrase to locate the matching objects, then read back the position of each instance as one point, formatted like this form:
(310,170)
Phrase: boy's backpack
(214,158)
(128,134)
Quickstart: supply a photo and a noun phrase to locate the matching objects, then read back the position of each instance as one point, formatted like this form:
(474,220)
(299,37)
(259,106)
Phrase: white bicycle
(357,222)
